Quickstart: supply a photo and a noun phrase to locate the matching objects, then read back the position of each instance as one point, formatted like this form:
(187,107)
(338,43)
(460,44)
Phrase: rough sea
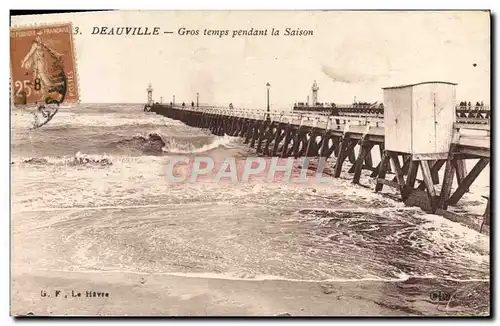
(90,193)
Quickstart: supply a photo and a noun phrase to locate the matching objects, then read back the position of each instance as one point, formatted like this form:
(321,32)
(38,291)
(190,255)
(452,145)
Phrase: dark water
(90,192)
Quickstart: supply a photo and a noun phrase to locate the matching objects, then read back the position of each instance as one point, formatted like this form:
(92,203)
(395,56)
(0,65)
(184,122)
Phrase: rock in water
(154,144)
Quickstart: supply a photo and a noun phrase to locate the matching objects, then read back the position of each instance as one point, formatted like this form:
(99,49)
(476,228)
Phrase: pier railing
(473,114)
(342,113)
(323,120)
(343,109)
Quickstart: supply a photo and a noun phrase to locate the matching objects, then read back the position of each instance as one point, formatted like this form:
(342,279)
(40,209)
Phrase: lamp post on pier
(268,118)
(197,97)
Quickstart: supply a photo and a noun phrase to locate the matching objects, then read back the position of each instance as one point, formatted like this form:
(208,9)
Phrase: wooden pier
(353,139)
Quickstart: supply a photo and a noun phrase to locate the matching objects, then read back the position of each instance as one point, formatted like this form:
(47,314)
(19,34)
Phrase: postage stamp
(43,67)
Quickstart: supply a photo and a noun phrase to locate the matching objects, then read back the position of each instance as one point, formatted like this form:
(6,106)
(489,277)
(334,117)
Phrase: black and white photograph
(250,163)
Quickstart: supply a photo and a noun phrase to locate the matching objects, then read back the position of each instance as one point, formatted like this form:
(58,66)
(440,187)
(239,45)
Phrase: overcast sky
(350,54)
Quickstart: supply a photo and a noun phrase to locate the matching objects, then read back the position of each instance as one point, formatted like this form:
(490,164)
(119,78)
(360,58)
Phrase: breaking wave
(177,147)
(78,159)
(153,143)
(156,144)
(452,250)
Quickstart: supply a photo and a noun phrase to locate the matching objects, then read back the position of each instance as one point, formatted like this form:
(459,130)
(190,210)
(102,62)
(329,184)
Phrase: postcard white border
(494,5)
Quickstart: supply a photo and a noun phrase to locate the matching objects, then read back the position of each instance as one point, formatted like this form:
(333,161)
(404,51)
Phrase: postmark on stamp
(43,67)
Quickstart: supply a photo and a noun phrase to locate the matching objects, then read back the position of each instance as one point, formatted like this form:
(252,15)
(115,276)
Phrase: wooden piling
(382,171)
(345,148)
(365,149)
(473,174)
(429,183)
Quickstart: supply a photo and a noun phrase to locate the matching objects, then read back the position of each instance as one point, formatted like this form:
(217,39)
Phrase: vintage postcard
(250,163)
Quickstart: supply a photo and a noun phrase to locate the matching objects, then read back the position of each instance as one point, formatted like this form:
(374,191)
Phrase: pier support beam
(382,171)
(429,184)
(399,172)
(346,147)
(365,150)
(486,216)
(436,166)
(410,179)
(468,180)
(461,171)
(286,143)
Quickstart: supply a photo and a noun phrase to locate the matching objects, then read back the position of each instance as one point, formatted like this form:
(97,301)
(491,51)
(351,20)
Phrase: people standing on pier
(192,104)
(335,113)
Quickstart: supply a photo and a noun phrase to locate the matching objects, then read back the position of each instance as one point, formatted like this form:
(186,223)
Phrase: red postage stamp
(43,67)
